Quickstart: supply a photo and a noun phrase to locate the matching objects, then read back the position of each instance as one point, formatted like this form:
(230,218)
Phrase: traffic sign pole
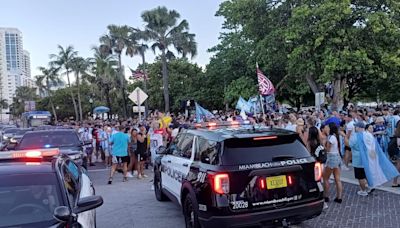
(138,99)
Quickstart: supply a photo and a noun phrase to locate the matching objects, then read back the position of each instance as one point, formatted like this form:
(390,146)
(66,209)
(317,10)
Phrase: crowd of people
(366,139)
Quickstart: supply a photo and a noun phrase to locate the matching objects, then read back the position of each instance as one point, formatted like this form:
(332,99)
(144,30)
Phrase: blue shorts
(333,160)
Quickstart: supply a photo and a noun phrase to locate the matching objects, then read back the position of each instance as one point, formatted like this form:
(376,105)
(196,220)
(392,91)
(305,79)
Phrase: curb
(382,188)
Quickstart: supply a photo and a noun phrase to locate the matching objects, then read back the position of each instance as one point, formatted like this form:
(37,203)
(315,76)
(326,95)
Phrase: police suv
(41,188)
(231,175)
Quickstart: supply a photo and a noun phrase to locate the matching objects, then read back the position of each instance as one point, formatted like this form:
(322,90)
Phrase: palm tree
(63,60)
(161,28)
(79,66)
(135,47)
(22,94)
(48,78)
(3,104)
(103,68)
(114,43)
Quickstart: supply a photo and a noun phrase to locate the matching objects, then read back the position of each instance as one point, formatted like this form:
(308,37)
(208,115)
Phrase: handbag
(320,154)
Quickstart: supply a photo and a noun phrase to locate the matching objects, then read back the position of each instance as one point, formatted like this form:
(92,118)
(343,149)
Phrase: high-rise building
(14,65)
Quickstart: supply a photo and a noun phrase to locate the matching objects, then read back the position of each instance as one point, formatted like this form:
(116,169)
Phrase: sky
(47,23)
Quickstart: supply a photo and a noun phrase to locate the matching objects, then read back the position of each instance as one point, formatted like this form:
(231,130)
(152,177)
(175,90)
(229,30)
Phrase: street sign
(138,96)
(136,109)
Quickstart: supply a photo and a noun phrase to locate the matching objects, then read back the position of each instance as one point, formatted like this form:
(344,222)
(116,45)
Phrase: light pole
(91,106)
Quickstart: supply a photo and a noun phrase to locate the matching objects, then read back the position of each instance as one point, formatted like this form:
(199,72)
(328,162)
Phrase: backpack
(320,154)
(393,149)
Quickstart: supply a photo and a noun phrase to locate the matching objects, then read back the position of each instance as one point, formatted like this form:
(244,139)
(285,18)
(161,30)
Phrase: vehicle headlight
(13,140)
(5,137)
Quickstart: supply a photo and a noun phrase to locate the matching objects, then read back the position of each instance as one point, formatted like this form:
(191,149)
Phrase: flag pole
(260,96)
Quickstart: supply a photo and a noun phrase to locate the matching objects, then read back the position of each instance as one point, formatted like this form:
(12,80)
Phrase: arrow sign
(138,96)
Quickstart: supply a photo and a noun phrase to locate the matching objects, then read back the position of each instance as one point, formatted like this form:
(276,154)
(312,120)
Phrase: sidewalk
(348,177)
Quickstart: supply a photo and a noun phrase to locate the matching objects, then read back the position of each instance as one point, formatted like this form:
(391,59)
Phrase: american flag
(138,75)
(265,86)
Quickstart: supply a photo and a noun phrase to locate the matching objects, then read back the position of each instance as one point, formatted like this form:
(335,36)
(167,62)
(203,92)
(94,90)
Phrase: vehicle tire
(191,213)
(158,187)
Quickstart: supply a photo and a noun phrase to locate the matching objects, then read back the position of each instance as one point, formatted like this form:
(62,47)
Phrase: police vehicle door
(181,160)
(76,183)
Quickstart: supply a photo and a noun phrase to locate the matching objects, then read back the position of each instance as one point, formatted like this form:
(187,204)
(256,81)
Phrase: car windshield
(52,139)
(11,130)
(28,200)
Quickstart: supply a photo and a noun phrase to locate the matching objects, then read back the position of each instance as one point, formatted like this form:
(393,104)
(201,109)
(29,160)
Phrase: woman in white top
(333,162)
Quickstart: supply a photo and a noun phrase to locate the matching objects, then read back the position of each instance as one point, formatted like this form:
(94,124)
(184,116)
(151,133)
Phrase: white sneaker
(345,168)
(362,193)
(325,206)
(129,175)
(140,177)
(145,176)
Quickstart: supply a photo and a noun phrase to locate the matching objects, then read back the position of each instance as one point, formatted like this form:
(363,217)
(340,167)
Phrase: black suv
(235,176)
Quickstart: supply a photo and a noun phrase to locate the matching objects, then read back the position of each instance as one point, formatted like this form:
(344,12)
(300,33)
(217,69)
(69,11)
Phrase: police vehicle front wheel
(158,187)
(190,213)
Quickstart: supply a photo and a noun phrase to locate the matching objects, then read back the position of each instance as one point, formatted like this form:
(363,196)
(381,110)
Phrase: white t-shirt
(334,144)
(350,126)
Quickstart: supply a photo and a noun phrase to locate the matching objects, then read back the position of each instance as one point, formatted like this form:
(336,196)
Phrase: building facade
(15,66)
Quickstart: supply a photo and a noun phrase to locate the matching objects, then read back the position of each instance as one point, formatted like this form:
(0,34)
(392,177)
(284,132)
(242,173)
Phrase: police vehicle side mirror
(88,203)
(161,150)
(62,213)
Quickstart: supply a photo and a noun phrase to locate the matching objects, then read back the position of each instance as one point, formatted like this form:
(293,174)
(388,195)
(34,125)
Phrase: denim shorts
(333,160)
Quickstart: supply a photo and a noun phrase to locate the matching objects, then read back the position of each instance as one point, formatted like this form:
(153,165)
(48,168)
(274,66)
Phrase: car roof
(49,131)
(19,167)
(248,131)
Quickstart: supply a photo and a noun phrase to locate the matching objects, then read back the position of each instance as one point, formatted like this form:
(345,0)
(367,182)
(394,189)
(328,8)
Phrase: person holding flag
(266,88)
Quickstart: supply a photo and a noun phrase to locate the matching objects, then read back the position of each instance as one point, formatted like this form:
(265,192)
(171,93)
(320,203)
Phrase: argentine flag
(378,168)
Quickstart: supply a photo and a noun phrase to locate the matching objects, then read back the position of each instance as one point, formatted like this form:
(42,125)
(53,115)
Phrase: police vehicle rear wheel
(158,187)
(190,213)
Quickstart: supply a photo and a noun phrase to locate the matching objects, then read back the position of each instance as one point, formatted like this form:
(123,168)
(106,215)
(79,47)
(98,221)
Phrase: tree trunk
(108,99)
(146,104)
(79,97)
(312,83)
(72,96)
(124,105)
(165,80)
(338,88)
(53,109)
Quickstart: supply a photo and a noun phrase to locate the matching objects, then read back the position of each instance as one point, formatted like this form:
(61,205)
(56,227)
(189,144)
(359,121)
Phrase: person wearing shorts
(119,152)
(359,172)
(141,151)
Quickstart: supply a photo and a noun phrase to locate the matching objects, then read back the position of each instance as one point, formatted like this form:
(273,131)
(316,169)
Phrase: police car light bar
(6,155)
(220,124)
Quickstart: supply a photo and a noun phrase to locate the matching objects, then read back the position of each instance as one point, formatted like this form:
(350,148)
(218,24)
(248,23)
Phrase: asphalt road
(133,204)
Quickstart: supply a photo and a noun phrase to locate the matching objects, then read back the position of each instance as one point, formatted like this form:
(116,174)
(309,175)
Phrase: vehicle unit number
(240,205)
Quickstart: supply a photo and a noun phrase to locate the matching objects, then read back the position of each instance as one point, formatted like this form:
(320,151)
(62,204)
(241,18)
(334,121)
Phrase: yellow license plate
(276,182)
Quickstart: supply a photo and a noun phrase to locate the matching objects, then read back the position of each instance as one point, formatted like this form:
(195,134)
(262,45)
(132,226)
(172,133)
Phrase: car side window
(70,182)
(184,146)
(207,151)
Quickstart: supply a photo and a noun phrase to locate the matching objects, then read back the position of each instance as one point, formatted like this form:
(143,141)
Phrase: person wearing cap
(356,149)
(380,133)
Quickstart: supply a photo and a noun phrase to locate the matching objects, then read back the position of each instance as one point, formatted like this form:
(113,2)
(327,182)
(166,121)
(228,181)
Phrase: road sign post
(138,97)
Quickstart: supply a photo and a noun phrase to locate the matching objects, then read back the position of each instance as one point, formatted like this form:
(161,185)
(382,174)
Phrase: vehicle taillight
(221,183)
(262,183)
(317,171)
(289,180)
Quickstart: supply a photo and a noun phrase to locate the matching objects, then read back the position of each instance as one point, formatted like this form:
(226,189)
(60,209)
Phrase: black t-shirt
(142,146)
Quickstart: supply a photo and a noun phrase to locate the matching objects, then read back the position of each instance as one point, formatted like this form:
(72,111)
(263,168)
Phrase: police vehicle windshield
(28,200)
